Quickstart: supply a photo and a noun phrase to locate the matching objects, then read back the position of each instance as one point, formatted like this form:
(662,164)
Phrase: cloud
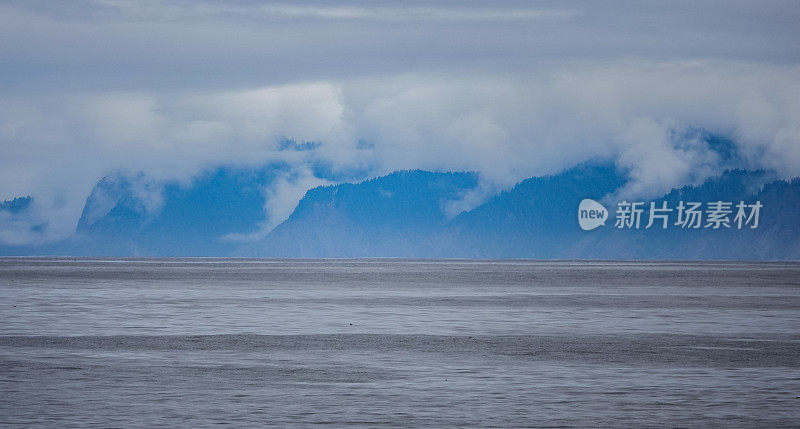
(57,148)
(505,128)
(411,13)
(515,126)
(95,88)
(155,45)
(658,159)
(282,197)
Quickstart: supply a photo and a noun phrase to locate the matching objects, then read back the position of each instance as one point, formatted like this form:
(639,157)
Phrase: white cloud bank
(506,128)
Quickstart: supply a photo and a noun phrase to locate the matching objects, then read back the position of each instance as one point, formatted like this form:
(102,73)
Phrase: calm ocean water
(198,342)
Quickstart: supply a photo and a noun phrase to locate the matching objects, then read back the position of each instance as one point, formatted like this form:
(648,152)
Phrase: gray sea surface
(442,343)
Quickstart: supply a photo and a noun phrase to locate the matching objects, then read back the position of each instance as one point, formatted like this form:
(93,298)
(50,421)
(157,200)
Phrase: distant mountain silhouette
(184,220)
(15,206)
(397,216)
(537,218)
(410,214)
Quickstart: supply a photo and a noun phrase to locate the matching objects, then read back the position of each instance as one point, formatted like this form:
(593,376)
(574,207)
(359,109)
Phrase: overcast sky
(508,89)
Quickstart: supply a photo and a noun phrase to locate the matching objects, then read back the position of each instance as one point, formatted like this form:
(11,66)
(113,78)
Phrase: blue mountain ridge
(776,238)
(16,206)
(395,215)
(190,219)
(404,214)
(535,219)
